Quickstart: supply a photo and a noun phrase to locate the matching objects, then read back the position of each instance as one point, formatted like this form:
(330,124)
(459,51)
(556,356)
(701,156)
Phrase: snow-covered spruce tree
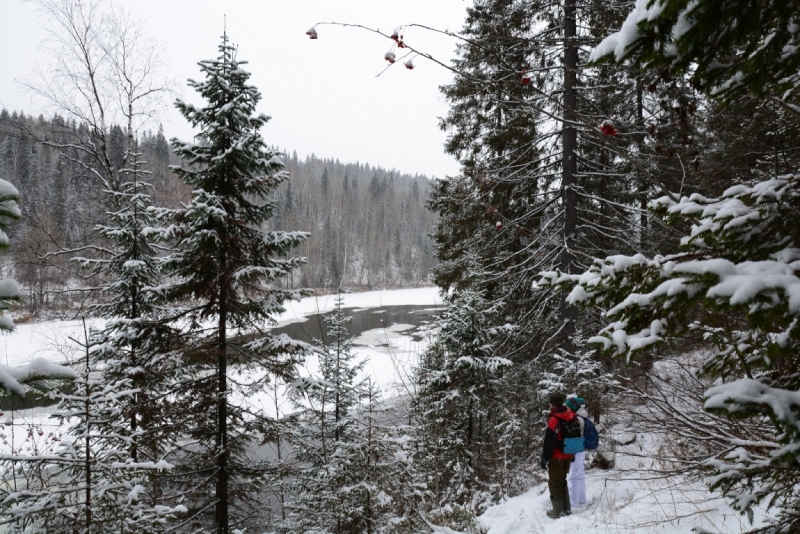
(88,483)
(357,473)
(581,373)
(9,211)
(134,343)
(458,406)
(378,484)
(729,47)
(223,270)
(326,422)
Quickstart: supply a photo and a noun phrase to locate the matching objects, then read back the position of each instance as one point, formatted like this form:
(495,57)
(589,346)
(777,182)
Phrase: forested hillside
(369,226)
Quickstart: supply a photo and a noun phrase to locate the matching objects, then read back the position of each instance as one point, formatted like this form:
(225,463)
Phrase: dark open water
(364,320)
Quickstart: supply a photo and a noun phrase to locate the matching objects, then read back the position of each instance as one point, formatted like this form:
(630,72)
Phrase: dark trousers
(557,471)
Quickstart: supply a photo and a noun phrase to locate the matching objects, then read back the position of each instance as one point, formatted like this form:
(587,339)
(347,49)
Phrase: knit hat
(556,399)
(575,403)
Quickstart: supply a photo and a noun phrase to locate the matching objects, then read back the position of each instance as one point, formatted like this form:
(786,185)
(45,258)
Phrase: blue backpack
(591,439)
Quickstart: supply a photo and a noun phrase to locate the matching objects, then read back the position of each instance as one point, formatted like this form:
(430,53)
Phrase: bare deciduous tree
(100,71)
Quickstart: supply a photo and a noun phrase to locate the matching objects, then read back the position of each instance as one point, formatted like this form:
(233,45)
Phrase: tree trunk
(88,452)
(644,181)
(570,162)
(222,404)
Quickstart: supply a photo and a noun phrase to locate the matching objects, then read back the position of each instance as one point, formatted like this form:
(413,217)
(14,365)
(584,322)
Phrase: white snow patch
(617,42)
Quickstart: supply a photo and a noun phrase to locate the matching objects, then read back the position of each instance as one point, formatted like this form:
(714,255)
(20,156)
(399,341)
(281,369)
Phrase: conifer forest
(623,229)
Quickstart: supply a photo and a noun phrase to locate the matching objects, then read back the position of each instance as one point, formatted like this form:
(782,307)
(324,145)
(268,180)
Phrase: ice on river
(300,311)
(52,339)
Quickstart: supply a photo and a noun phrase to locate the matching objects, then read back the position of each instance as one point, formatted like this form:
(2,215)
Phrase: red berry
(607,128)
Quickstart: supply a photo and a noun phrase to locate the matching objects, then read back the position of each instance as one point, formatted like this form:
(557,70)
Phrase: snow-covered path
(629,498)
(617,504)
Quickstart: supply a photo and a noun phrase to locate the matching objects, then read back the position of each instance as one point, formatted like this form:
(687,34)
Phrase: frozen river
(390,330)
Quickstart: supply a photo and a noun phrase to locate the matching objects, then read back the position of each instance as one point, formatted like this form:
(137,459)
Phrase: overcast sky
(323,95)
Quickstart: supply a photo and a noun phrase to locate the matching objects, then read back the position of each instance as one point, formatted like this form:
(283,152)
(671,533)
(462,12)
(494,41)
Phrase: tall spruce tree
(136,346)
(460,409)
(224,268)
(134,343)
(541,185)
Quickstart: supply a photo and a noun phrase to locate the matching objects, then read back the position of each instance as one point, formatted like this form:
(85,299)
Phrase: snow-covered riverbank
(52,339)
(391,352)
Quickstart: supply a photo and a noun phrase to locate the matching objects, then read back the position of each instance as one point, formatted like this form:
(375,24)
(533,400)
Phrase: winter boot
(557,511)
(567,504)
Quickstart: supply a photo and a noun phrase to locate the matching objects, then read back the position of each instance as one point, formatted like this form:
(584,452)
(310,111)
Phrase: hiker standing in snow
(576,480)
(563,429)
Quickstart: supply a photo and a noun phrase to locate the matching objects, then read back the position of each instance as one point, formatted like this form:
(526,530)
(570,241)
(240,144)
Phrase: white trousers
(576,480)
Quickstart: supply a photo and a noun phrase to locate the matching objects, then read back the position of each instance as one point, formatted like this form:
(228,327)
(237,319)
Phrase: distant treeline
(369,226)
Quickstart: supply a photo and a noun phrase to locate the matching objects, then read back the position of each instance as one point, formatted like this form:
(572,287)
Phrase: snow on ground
(625,499)
(638,495)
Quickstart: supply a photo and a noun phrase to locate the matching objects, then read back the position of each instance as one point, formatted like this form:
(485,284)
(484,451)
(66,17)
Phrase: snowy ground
(48,339)
(639,494)
(625,499)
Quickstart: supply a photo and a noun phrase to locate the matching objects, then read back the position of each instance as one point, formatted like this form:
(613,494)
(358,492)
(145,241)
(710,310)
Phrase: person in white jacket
(576,479)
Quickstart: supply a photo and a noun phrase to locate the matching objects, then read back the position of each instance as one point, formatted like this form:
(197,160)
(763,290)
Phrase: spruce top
(231,157)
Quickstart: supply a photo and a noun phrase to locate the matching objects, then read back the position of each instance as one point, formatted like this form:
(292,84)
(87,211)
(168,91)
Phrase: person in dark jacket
(554,459)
